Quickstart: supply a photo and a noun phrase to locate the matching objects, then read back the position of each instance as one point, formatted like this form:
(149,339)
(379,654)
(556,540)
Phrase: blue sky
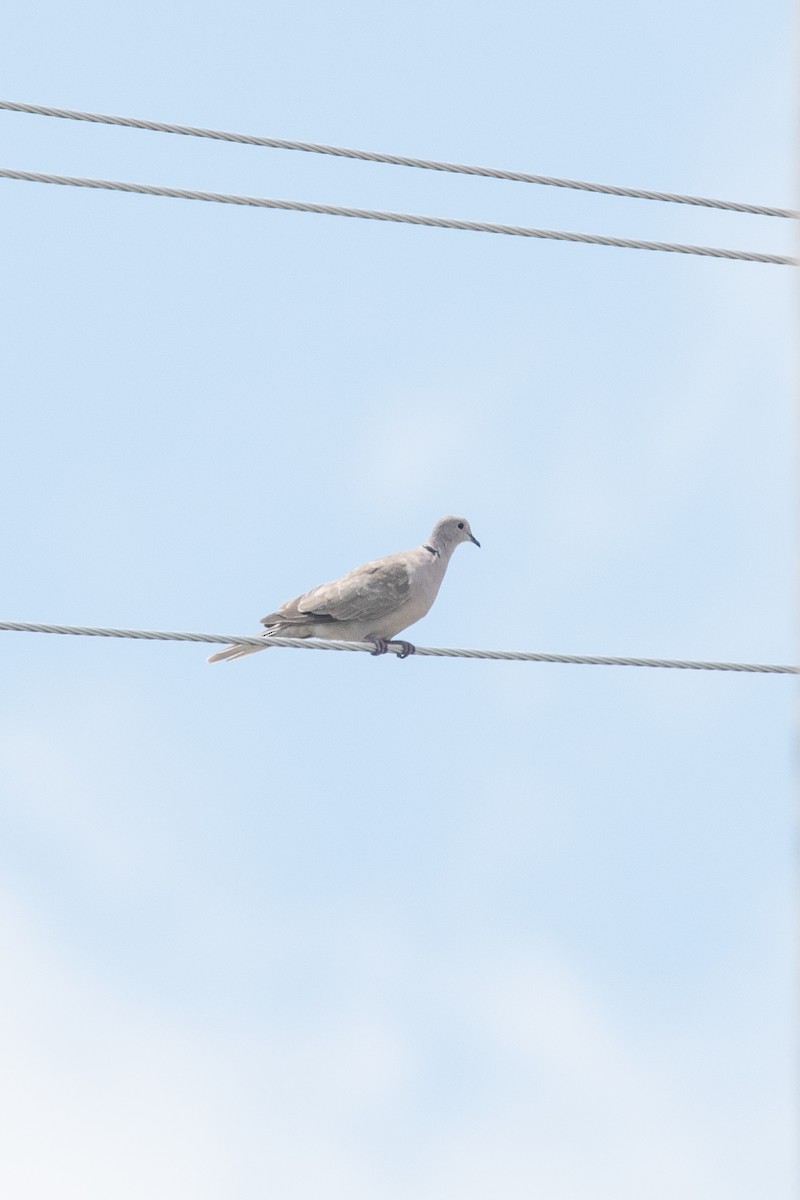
(333,926)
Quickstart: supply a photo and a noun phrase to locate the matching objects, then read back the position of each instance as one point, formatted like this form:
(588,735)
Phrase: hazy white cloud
(99,1097)
(106,1094)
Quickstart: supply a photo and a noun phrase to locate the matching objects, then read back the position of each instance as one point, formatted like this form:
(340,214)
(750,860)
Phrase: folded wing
(366,594)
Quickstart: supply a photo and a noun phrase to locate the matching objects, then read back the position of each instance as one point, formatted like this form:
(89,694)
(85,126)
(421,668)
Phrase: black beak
(475,540)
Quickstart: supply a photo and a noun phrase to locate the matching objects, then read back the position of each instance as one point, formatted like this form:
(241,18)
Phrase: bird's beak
(472,538)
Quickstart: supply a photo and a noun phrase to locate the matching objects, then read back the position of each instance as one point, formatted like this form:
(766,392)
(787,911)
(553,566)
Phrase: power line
(263,643)
(400,160)
(368,214)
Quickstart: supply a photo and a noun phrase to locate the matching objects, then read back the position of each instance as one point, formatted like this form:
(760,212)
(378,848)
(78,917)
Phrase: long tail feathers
(231,652)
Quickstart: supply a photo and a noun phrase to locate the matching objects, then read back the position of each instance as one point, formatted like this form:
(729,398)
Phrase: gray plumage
(372,603)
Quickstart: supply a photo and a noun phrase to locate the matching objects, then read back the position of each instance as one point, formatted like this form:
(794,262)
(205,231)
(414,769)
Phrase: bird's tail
(231,652)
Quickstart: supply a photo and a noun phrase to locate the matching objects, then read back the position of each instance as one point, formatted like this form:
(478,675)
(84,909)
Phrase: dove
(372,603)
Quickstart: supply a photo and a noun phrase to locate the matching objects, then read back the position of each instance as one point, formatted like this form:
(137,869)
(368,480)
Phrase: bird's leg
(406,648)
(381,645)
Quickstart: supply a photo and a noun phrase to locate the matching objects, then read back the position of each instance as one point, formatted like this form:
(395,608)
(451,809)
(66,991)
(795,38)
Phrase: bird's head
(449,532)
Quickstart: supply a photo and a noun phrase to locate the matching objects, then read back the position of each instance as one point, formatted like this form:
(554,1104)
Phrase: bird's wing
(367,593)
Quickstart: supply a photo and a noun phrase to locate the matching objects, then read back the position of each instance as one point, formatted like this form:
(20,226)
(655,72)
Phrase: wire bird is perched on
(374,602)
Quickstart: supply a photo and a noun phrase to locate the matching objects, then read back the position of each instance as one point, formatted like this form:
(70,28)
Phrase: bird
(373,602)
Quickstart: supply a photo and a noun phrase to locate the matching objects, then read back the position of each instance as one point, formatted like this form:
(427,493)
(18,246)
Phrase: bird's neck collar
(432,550)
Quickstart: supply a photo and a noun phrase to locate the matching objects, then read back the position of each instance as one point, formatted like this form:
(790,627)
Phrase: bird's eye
(460,524)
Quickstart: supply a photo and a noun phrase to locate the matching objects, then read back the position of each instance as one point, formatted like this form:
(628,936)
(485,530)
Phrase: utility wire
(263,643)
(400,160)
(367,214)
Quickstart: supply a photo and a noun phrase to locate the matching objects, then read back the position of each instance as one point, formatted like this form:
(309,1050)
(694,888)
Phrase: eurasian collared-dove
(374,602)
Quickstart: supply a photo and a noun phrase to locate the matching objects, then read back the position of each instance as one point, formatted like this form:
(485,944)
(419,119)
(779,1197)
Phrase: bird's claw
(382,647)
(406,648)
